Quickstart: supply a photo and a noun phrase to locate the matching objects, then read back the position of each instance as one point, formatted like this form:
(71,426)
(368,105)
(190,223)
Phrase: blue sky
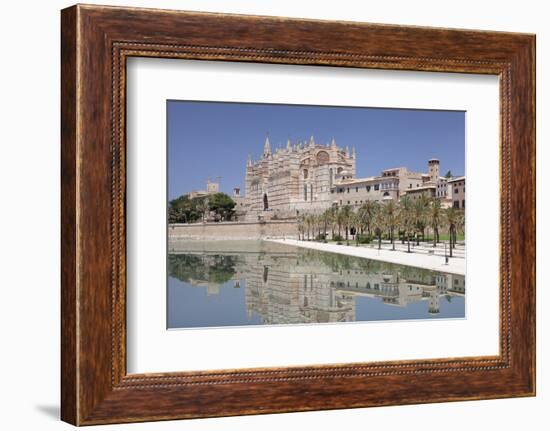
(211,139)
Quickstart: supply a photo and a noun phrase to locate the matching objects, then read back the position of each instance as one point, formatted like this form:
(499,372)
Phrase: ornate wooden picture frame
(96,41)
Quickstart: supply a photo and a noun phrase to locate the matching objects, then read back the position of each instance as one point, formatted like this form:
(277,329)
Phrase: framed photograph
(264,214)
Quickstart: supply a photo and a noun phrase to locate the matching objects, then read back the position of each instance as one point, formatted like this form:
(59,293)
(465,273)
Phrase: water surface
(238,283)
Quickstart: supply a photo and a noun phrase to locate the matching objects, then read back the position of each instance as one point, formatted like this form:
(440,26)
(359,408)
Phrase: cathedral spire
(288,145)
(333,143)
(311,141)
(347,151)
(353,152)
(249,160)
(267,147)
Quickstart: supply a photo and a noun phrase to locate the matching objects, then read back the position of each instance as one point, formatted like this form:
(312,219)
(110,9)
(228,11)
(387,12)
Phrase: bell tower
(433,170)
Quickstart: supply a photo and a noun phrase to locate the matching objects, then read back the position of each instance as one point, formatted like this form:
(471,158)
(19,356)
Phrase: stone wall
(235,230)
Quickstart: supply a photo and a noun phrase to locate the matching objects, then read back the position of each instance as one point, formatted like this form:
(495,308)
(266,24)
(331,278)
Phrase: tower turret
(433,170)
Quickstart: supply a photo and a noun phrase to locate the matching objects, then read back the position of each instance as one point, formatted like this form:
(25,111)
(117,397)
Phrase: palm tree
(319,223)
(378,224)
(421,207)
(353,223)
(340,220)
(451,215)
(435,218)
(391,219)
(390,212)
(407,218)
(346,214)
(366,214)
(301,226)
(332,211)
(310,225)
(461,222)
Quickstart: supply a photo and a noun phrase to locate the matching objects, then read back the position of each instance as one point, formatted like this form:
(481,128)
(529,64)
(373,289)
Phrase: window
(463,204)
(456,191)
(356,189)
(305,174)
(368,188)
(348,189)
(305,192)
(311,191)
(376,187)
(456,204)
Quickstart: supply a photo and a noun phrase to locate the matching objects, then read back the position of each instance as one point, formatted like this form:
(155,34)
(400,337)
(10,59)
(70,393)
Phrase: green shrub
(364,239)
(338,238)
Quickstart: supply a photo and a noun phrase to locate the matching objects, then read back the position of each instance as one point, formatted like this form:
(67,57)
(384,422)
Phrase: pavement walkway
(456,265)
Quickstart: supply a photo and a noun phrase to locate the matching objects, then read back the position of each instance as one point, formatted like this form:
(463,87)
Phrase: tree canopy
(222,205)
(186,210)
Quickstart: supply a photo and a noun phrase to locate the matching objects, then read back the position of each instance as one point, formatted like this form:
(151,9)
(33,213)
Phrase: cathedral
(295,179)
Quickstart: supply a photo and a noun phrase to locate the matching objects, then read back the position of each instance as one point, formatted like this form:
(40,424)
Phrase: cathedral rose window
(322,157)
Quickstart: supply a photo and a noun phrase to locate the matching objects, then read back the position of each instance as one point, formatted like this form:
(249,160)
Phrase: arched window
(305,174)
(266,203)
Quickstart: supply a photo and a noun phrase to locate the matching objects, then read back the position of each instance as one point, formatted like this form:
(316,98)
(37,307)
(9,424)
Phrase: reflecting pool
(237,283)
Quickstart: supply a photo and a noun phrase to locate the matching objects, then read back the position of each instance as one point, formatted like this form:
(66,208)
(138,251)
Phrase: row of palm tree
(408,219)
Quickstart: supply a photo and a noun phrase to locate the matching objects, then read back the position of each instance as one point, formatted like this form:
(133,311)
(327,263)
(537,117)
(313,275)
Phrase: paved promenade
(456,265)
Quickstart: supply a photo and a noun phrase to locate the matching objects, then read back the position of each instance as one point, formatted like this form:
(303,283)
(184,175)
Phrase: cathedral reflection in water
(267,283)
